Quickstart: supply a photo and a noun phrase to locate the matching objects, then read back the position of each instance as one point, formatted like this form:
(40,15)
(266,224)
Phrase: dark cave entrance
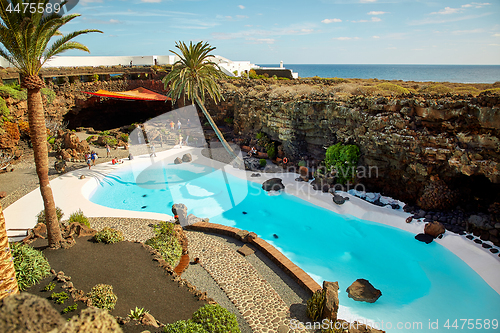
(108,114)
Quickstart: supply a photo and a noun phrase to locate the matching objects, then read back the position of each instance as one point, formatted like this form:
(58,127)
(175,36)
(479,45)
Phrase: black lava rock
(424,238)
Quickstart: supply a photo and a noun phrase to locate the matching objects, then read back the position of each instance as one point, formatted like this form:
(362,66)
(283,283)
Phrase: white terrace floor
(71,193)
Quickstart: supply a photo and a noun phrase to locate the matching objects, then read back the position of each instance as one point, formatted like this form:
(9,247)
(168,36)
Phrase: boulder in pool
(427,239)
(273,184)
(187,158)
(434,229)
(362,290)
(181,211)
(177,160)
(339,200)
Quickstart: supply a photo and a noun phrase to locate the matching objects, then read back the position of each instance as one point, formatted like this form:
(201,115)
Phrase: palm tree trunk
(218,132)
(38,133)
(8,282)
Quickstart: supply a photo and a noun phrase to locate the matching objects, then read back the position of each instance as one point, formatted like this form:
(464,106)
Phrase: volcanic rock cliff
(408,138)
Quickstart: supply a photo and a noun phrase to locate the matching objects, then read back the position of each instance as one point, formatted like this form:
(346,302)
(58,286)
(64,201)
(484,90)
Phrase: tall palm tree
(194,76)
(25,37)
(8,282)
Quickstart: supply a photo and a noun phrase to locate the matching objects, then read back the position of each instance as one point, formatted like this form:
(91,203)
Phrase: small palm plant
(195,76)
(25,35)
(137,313)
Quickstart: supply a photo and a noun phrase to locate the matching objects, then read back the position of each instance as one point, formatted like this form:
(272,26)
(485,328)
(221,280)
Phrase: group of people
(91,158)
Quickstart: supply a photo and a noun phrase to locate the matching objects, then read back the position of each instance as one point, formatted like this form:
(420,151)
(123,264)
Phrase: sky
(298,32)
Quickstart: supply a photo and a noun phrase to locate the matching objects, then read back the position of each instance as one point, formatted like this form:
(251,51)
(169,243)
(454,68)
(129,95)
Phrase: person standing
(172,126)
(108,150)
(180,140)
(189,123)
(153,153)
(88,158)
(179,124)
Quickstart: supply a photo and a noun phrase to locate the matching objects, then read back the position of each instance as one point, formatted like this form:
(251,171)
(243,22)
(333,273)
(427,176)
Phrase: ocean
(419,73)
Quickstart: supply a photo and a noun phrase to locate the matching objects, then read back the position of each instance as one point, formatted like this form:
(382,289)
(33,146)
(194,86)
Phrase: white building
(226,65)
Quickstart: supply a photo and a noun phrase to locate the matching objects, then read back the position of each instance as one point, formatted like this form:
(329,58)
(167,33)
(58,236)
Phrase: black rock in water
(424,238)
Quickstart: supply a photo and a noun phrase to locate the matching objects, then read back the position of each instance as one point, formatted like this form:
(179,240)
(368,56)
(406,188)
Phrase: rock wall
(408,139)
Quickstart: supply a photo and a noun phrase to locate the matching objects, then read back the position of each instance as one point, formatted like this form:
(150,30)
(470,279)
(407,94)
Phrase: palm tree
(193,76)
(25,36)
(8,282)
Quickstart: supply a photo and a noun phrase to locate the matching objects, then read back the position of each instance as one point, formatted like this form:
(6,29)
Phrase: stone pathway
(253,296)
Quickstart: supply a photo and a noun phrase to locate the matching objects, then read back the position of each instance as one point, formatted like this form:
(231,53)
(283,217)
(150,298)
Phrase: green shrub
(493,90)
(392,88)
(14,91)
(49,287)
(271,150)
(110,141)
(315,305)
(184,326)
(31,265)
(252,74)
(70,308)
(40,218)
(302,163)
(105,133)
(49,94)
(109,236)
(59,298)
(435,89)
(260,135)
(262,162)
(228,120)
(343,160)
(166,242)
(215,319)
(90,138)
(102,296)
(124,137)
(79,217)
(52,140)
(95,77)
(4,110)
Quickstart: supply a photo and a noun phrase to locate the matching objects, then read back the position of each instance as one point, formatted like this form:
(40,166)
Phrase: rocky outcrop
(273,184)
(180,212)
(405,139)
(331,306)
(362,290)
(24,312)
(434,229)
(339,200)
(177,160)
(186,158)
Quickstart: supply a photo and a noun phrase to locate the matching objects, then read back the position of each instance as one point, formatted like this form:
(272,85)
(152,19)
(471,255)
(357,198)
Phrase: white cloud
(392,48)
(374,12)
(374,19)
(261,40)
(376,37)
(461,32)
(85,2)
(496,35)
(151,1)
(367,1)
(241,6)
(328,21)
(447,20)
(307,31)
(345,38)
(447,11)
(241,16)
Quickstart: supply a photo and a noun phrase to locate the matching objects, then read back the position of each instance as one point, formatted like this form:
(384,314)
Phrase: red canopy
(138,94)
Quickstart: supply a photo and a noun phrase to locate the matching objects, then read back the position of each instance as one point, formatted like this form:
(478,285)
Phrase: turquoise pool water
(420,283)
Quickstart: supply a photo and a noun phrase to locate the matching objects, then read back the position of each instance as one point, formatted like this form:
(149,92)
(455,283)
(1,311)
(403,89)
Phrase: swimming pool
(420,283)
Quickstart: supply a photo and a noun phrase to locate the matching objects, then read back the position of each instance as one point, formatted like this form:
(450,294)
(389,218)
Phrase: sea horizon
(410,72)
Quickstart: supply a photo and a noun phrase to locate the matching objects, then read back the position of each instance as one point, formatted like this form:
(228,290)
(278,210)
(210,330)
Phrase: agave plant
(137,313)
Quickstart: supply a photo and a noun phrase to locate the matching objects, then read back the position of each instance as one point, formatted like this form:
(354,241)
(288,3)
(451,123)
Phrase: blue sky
(299,32)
